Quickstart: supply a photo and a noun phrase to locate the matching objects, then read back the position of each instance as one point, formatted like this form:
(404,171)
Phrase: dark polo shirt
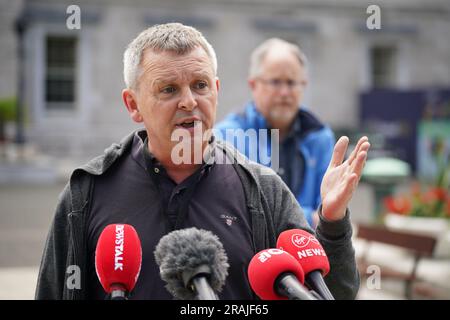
(136,190)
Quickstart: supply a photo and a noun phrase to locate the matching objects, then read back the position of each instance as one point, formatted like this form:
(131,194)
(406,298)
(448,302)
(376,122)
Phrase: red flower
(400,204)
(440,194)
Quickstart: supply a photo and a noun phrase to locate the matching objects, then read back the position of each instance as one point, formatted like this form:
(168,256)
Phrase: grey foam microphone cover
(183,253)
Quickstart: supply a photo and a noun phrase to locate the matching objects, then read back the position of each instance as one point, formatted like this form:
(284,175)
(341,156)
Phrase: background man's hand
(342,177)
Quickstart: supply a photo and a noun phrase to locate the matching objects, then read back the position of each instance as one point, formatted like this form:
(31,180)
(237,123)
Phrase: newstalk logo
(118,258)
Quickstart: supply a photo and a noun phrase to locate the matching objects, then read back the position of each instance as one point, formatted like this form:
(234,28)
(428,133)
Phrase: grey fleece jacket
(273,209)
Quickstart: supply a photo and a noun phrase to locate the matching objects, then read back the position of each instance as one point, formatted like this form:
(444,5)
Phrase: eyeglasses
(278,83)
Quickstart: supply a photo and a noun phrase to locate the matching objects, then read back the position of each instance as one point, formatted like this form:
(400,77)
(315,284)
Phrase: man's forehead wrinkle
(164,76)
(164,72)
(152,61)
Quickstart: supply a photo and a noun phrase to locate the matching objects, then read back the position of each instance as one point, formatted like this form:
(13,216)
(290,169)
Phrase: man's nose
(187,101)
(285,89)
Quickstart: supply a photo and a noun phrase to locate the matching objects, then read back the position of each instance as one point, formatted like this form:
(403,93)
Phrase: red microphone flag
(118,257)
(304,247)
(266,266)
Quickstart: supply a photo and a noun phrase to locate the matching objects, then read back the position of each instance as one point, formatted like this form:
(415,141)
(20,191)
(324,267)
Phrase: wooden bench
(418,245)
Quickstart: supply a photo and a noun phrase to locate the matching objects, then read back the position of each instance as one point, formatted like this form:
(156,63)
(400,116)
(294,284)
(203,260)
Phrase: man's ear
(217,84)
(251,83)
(129,99)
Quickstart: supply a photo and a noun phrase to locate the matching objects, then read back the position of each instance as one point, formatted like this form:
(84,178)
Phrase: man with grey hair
(170,74)
(278,79)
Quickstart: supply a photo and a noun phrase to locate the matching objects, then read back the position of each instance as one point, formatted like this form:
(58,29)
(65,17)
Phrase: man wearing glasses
(277,79)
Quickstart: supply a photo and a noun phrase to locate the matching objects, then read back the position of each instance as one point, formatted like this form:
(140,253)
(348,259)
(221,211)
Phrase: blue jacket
(315,144)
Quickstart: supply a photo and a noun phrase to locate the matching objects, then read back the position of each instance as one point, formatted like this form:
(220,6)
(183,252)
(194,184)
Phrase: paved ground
(25,215)
(18,283)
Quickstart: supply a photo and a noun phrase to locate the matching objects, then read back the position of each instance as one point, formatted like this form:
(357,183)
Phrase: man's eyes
(279,82)
(201,84)
(168,90)
(171,89)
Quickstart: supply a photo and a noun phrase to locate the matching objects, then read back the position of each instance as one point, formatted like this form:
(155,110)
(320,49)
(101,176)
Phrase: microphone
(275,275)
(118,258)
(308,251)
(193,263)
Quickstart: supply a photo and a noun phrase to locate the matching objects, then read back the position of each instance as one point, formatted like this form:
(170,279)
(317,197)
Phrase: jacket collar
(100,164)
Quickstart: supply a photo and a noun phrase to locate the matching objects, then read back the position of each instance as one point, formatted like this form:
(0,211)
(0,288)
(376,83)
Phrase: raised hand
(342,177)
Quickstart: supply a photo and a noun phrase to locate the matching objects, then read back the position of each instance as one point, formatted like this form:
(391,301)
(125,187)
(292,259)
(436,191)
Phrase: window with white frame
(60,72)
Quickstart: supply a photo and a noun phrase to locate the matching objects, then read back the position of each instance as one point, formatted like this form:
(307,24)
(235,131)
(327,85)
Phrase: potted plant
(425,209)
(7,115)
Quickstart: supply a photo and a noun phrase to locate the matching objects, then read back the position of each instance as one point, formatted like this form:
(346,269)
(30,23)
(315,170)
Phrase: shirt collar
(149,162)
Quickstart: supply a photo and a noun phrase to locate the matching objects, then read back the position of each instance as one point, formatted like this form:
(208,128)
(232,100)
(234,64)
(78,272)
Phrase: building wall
(332,35)
(8,49)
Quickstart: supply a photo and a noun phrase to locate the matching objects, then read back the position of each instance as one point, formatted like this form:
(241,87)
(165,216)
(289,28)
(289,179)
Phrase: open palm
(342,177)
